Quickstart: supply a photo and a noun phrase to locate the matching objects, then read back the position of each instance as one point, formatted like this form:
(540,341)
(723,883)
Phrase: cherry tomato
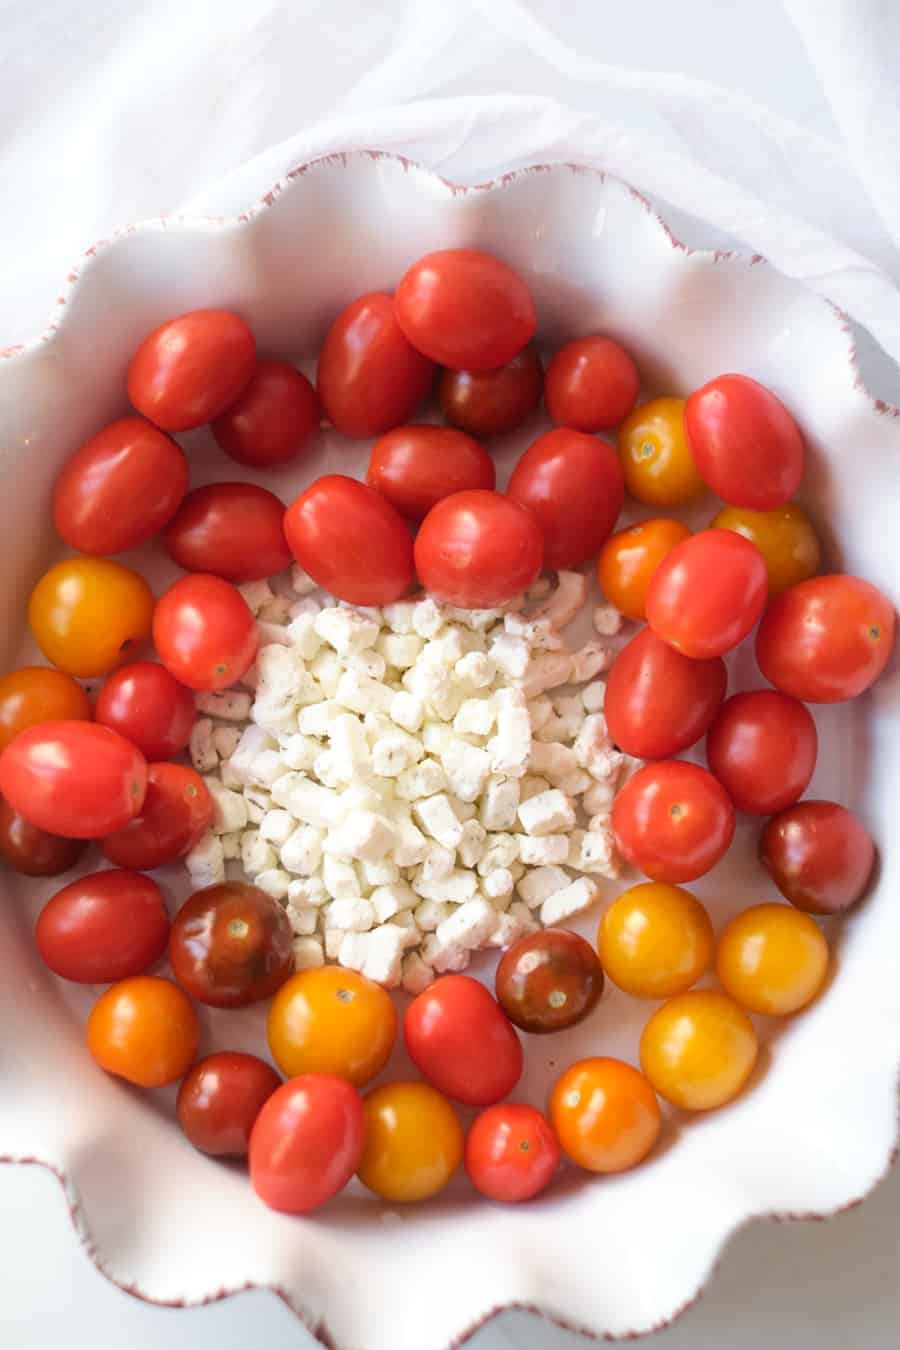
(144,1030)
(656,458)
(231,530)
(745,443)
(369,378)
(512,1152)
(332,1020)
(762,747)
(120,488)
(414,1142)
(673,820)
(73,778)
(605,1114)
(465,309)
(231,945)
(548,981)
(307,1142)
(490,402)
(205,632)
(820,856)
(103,927)
(220,1099)
(351,541)
(34,852)
(147,706)
(415,466)
(478,549)
(785,537)
(826,639)
(572,484)
(708,593)
(90,615)
(629,559)
(273,420)
(460,1039)
(592,384)
(655,940)
(190,369)
(698,1050)
(657,701)
(772,959)
(177,810)
(36,694)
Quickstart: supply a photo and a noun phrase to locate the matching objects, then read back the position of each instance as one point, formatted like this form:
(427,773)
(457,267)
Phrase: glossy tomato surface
(103,927)
(415,466)
(176,812)
(306,1143)
(351,541)
(512,1152)
(35,694)
(708,593)
(414,1142)
(465,309)
(655,940)
(772,959)
(490,402)
(698,1050)
(90,615)
(673,820)
(629,559)
(548,981)
(573,485)
(592,384)
(656,458)
(34,852)
(148,706)
(273,420)
(369,377)
(190,369)
(460,1039)
(820,856)
(73,778)
(219,1100)
(231,945)
(145,1030)
(606,1114)
(205,632)
(785,537)
(478,549)
(745,443)
(231,530)
(659,702)
(762,747)
(331,1020)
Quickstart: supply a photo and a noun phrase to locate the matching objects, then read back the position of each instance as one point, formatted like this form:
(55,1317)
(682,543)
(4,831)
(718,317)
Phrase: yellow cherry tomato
(90,615)
(629,559)
(37,694)
(605,1114)
(655,940)
(785,537)
(331,1020)
(772,959)
(414,1142)
(698,1050)
(656,458)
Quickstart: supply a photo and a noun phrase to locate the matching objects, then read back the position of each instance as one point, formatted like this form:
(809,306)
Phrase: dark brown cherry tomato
(231,945)
(460,1039)
(762,747)
(512,1152)
(478,549)
(745,443)
(205,632)
(592,384)
(32,851)
(490,402)
(673,820)
(219,1100)
(659,702)
(176,812)
(574,487)
(273,420)
(120,488)
(147,706)
(190,369)
(820,856)
(549,981)
(369,377)
(415,466)
(230,530)
(103,928)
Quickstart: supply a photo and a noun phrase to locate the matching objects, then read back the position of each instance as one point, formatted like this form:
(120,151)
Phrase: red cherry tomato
(416,466)
(512,1152)
(369,378)
(231,945)
(176,812)
(230,530)
(659,702)
(820,856)
(762,747)
(745,443)
(205,632)
(592,384)
(478,549)
(490,402)
(147,706)
(460,1039)
(708,593)
(465,309)
(220,1099)
(351,541)
(120,488)
(574,487)
(826,639)
(103,928)
(673,820)
(190,369)
(273,419)
(73,778)
(34,852)
(307,1142)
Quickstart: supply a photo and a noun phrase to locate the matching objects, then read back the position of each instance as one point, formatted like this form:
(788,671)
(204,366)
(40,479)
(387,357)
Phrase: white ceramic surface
(610,1256)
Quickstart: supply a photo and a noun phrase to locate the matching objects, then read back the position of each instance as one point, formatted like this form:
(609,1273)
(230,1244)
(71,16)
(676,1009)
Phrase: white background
(777,124)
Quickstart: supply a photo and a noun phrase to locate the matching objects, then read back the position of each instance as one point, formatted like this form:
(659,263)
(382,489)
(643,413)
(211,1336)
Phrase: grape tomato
(745,443)
(491,402)
(460,1039)
(708,593)
(659,702)
(103,927)
(230,530)
(148,706)
(820,856)
(176,812)
(478,549)
(762,747)
(573,486)
(415,466)
(191,368)
(592,384)
(272,421)
(306,1143)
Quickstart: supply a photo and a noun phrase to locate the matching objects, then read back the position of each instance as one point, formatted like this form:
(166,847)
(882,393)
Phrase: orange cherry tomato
(90,615)
(332,1021)
(785,537)
(655,940)
(605,1114)
(37,694)
(656,459)
(772,959)
(698,1050)
(629,559)
(144,1030)
(414,1142)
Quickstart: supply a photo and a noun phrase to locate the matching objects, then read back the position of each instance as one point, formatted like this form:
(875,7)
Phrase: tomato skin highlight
(415,466)
(230,530)
(592,384)
(820,856)
(573,485)
(220,1099)
(491,402)
(460,1039)
(478,549)
(659,702)
(205,632)
(34,852)
(306,1143)
(745,443)
(512,1152)
(191,368)
(673,820)
(176,812)
(708,593)
(762,747)
(273,420)
(103,928)
(148,706)
(34,694)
